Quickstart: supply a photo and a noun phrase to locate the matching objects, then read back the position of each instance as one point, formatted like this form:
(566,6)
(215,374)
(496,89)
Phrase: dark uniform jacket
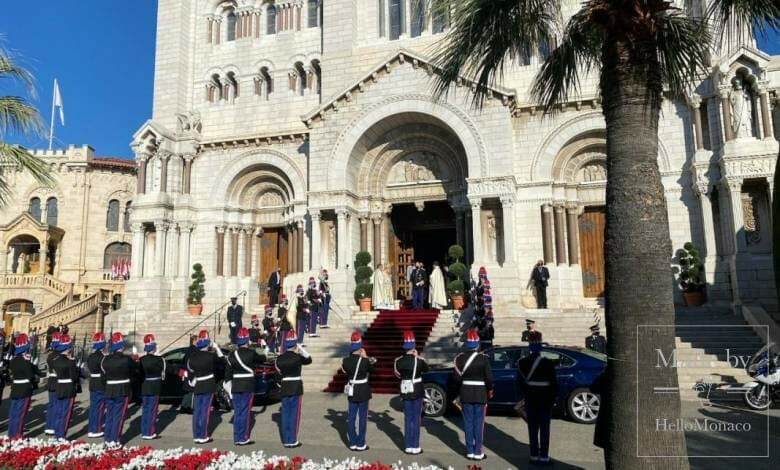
(153,373)
(281,313)
(234,314)
(404,367)
(540,276)
(531,336)
(241,371)
(202,365)
(67,376)
(302,310)
(117,368)
(419,275)
(255,334)
(486,331)
(325,291)
(477,380)
(289,365)
(361,389)
(268,325)
(24,376)
(541,388)
(51,375)
(596,343)
(96,383)
(313,297)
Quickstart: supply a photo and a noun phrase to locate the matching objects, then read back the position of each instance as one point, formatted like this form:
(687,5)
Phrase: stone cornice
(276,138)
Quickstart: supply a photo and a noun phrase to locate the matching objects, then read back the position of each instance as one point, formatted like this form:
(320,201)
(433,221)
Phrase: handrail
(187,332)
(57,306)
(81,307)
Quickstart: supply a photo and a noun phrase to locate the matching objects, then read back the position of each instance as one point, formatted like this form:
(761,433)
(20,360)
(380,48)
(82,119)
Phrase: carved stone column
(476,221)
(725,105)
(141,158)
(220,251)
(468,248)
(234,229)
(294,247)
(185,236)
(299,250)
(4,260)
(363,234)
(43,254)
(459,218)
(508,214)
(257,242)
(164,157)
(316,239)
(547,233)
(703,191)
(765,114)
(172,251)
(695,103)
(248,245)
(377,254)
(560,235)
(137,251)
(342,215)
(187,173)
(737,217)
(572,232)
(161,229)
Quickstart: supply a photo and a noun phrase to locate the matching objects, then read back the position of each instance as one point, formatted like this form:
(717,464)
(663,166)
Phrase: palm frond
(14,156)
(733,16)
(485,34)
(683,50)
(576,55)
(9,69)
(18,116)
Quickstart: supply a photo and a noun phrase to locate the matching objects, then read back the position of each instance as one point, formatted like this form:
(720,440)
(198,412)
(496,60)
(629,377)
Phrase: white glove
(303,352)
(232,324)
(217,349)
(135,350)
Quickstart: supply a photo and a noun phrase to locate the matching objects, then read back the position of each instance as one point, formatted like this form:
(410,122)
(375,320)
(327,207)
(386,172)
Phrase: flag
(58,102)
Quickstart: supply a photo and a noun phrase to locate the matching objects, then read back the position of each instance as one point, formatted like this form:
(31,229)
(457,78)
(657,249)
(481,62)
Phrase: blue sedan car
(576,369)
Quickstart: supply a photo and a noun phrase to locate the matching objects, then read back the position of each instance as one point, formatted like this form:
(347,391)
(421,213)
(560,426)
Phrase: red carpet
(384,340)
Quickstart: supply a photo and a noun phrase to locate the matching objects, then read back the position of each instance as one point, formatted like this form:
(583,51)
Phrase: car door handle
(566,375)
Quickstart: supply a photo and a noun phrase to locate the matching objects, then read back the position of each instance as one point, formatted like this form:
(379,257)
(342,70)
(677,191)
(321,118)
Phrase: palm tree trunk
(637,249)
(776,228)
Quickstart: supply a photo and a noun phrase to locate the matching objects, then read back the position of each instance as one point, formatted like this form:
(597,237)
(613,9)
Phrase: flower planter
(694,299)
(365,304)
(195,310)
(457,301)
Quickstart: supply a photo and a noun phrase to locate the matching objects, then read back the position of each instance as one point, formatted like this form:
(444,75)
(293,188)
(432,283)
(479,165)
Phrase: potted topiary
(691,269)
(363,286)
(196,290)
(457,287)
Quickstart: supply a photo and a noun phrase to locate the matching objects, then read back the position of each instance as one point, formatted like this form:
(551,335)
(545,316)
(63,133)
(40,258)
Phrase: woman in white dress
(379,297)
(437,293)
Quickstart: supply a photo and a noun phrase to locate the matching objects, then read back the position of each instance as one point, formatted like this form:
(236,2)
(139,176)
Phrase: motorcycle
(764,367)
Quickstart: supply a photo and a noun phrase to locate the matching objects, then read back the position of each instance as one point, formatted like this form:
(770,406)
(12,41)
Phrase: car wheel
(583,406)
(434,401)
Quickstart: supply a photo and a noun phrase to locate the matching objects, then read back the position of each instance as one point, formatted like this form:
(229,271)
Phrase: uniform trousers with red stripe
(412,420)
(97,411)
(149,406)
(291,418)
(242,416)
(473,424)
(16,415)
(116,408)
(63,408)
(201,409)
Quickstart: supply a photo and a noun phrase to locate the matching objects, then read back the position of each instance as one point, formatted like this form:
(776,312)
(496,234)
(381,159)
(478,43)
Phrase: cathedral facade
(294,134)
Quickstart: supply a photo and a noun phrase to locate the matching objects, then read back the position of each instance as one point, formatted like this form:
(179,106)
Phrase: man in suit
(540,276)
(596,342)
(410,368)
(419,278)
(537,381)
(241,372)
(357,366)
(153,371)
(97,389)
(274,285)
(475,377)
(289,365)
(116,370)
(325,291)
(235,313)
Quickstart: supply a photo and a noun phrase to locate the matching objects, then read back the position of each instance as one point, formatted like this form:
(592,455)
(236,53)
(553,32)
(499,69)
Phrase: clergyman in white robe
(379,294)
(437,293)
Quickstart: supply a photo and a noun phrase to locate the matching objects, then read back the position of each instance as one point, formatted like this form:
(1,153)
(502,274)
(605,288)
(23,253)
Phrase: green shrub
(456,287)
(363,291)
(363,258)
(196,289)
(455,252)
(691,268)
(363,286)
(458,269)
(363,273)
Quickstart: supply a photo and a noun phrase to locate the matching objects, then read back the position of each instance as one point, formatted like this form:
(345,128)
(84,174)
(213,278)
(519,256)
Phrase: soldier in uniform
(536,377)
(482,282)
(315,304)
(256,332)
(51,380)
(116,370)
(284,323)
(97,389)
(357,367)
(486,331)
(301,313)
(473,373)
(234,314)
(67,375)
(289,365)
(596,342)
(24,379)
(531,334)
(419,278)
(153,373)
(269,329)
(201,365)
(241,372)
(325,293)
(409,368)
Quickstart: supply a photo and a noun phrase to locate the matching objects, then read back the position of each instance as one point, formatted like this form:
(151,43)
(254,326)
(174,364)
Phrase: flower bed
(41,454)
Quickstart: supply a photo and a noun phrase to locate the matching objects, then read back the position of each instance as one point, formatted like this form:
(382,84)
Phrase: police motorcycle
(764,368)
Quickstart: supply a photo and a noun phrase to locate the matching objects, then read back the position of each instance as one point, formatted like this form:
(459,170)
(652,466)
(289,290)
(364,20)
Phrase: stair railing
(217,322)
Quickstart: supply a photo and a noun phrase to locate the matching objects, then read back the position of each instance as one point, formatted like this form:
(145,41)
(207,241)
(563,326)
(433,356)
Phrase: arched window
(112,216)
(264,83)
(231,26)
(232,87)
(313,13)
(315,66)
(396,18)
(214,89)
(126,225)
(270,20)
(35,208)
(116,257)
(418,18)
(300,80)
(440,17)
(51,211)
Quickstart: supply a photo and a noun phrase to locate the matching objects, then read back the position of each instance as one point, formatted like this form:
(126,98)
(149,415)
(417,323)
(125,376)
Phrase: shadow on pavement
(338,421)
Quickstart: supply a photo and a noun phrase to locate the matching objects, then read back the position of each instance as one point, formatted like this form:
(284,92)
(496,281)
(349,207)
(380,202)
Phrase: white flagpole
(51,126)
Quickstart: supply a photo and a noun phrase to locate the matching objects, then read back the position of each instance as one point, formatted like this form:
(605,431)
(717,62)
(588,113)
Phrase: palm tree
(642,51)
(17,116)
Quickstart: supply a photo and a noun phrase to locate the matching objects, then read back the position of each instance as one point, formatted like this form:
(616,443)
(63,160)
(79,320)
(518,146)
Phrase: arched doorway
(25,254)
(14,307)
(116,260)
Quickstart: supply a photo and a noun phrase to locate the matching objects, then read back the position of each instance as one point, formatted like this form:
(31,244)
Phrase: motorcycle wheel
(758,398)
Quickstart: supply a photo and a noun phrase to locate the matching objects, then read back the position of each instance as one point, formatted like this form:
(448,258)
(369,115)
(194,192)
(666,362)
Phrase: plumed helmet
(299,289)
(203,339)
(117,341)
(65,343)
(242,337)
(312,281)
(284,300)
(409,341)
(98,341)
(472,339)
(149,343)
(482,273)
(268,310)
(21,344)
(55,338)
(291,340)
(355,341)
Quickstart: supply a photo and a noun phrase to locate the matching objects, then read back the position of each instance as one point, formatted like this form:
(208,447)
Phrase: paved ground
(324,434)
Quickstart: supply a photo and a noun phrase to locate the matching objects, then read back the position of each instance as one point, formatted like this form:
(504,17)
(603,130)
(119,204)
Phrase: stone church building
(294,133)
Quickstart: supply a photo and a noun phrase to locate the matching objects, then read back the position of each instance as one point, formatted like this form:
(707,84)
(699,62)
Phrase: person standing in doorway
(274,286)
(235,313)
(419,279)
(541,276)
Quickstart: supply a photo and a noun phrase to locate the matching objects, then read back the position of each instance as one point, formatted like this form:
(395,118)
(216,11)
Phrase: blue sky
(102,54)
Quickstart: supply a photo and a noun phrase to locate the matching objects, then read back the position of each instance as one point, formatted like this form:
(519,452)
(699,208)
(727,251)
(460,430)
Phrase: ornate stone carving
(496,188)
(417,167)
(742,107)
(592,171)
(750,167)
(270,199)
(751,218)
(188,122)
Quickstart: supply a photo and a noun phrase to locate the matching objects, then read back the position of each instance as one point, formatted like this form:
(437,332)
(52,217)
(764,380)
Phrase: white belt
(21,381)
(535,383)
(117,382)
(358,382)
(95,376)
(52,374)
(290,379)
(415,381)
(243,376)
(152,379)
(205,377)
(64,381)
(474,382)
